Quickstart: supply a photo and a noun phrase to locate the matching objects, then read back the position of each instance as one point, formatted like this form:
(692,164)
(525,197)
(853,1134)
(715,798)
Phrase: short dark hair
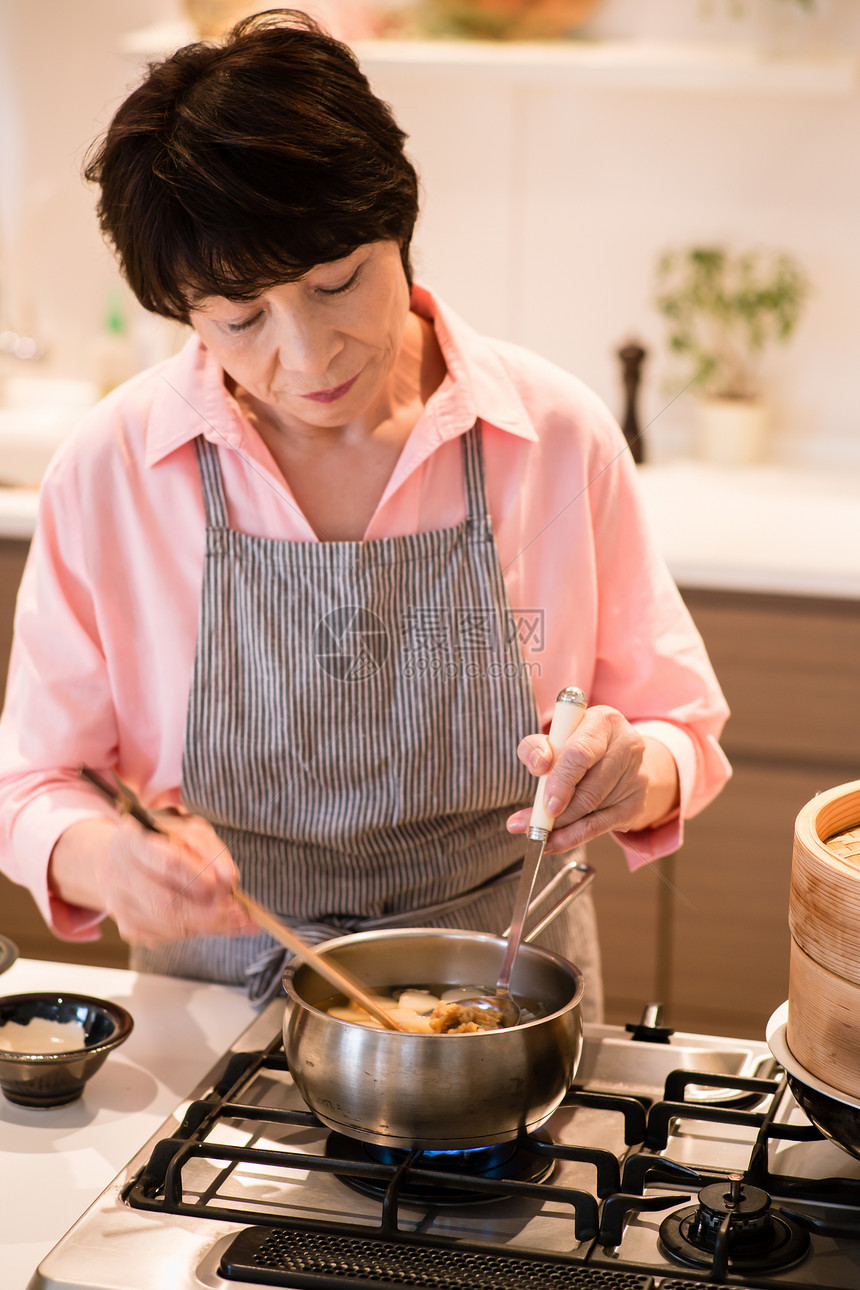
(243,163)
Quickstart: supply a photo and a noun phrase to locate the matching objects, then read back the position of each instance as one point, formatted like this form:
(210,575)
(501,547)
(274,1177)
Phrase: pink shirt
(106,622)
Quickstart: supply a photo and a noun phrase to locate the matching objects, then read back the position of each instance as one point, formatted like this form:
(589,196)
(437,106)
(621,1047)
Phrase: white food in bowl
(41,1035)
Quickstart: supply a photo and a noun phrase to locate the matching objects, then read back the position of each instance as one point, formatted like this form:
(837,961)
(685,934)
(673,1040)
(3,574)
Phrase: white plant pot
(733,432)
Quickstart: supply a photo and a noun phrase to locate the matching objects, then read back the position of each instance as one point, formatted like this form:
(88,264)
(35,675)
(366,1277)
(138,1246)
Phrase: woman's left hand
(606,777)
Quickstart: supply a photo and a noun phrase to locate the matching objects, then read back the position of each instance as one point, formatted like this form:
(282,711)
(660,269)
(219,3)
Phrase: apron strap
(264,977)
(214,500)
(473,474)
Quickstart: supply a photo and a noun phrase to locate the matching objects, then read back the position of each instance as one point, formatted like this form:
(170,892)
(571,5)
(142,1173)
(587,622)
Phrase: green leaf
(722,309)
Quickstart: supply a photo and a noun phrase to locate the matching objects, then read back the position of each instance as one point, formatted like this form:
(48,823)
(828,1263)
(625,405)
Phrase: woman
(307,586)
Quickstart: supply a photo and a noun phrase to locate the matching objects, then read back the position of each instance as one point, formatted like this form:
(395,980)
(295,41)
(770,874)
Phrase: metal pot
(838,1121)
(437,1092)
(834,1113)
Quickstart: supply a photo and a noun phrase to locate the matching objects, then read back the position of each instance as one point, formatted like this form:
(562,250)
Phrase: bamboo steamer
(823,1029)
(824,905)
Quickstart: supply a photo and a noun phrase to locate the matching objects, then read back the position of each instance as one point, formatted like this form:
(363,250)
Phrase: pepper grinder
(632,357)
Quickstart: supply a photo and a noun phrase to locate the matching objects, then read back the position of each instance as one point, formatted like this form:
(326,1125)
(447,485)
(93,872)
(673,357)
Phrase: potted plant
(722,310)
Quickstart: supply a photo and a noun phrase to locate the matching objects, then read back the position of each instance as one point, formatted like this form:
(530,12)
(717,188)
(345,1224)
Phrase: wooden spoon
(127,803)
(343,981)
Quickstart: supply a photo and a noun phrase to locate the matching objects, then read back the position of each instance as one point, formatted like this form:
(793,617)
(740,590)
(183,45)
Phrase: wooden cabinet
(12,556)
(706,933)
(20,919)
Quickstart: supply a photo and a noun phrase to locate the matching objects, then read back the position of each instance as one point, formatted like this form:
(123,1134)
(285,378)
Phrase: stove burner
(733,1229)
(509,1161)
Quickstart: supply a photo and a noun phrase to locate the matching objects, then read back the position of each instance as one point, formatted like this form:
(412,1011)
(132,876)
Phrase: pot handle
(586,873)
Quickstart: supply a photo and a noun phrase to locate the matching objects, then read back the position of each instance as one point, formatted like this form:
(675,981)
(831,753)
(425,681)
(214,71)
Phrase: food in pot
(408,1019)
(426,1013)
(463,1019)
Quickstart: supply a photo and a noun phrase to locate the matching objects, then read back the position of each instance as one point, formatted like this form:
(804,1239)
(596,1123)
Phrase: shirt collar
(478,384)
(191,399)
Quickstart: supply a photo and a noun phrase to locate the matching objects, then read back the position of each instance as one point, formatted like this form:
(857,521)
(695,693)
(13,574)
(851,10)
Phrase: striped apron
(353,718)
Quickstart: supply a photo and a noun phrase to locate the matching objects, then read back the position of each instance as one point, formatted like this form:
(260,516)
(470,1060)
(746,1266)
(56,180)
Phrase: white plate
(778,1044)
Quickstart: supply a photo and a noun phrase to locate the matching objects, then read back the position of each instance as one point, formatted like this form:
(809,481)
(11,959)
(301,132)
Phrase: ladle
(570,708)
(128,804)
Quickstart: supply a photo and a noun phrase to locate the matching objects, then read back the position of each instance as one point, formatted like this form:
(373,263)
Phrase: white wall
(545,206)
(61,76)
(546,209)
(786,26)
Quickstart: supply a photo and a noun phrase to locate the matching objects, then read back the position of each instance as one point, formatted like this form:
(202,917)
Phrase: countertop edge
(66,1156)
(778,557)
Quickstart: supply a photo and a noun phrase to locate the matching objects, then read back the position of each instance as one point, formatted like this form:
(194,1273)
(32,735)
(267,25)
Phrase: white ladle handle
(569,710)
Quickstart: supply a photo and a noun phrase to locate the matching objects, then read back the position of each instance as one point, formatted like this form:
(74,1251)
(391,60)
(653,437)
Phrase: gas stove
(676,1160)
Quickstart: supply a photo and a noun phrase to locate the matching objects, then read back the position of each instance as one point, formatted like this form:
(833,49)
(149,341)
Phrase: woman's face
(318,351)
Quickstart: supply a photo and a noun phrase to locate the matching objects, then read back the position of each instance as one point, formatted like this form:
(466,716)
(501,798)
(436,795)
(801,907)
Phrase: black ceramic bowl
(50,1044)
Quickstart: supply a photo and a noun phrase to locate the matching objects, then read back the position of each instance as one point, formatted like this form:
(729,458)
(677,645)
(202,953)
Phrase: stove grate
(327,1261)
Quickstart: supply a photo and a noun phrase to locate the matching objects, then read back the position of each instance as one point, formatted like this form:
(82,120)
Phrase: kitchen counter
(18,507)
(57,1161)
(762,528)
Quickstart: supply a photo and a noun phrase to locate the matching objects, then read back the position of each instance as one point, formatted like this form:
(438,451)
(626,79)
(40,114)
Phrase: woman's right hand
(157,887)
